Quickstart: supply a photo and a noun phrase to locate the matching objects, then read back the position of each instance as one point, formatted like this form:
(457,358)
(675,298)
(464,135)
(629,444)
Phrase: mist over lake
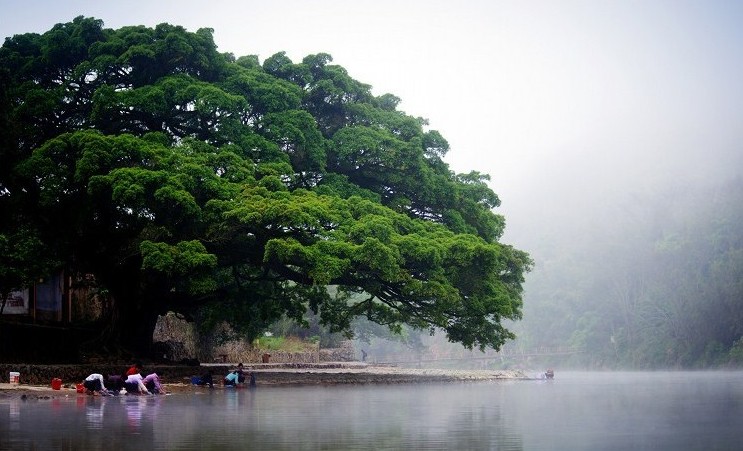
(576,410)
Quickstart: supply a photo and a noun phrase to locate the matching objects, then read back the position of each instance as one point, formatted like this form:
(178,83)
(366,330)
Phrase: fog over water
(576,411)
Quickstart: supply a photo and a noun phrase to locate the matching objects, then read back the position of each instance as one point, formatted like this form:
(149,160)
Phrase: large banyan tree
(189,180)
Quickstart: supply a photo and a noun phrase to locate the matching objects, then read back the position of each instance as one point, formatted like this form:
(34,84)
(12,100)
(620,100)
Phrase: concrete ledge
(266,374)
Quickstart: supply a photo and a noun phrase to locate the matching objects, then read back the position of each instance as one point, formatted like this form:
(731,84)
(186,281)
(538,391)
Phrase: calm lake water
(576,411)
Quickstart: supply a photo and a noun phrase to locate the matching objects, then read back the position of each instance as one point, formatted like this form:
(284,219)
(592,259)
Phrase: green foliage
(735,355)
(285,344)
(309,330)
(193,181)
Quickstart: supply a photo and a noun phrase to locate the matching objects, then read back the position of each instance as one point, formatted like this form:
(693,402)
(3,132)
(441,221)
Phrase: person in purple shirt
(152,382)
(114,383)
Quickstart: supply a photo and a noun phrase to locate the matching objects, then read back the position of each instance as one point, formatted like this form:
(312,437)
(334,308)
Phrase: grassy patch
(286,344)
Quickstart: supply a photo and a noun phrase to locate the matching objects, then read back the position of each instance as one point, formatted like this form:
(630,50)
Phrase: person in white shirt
(94,384)
(134,384)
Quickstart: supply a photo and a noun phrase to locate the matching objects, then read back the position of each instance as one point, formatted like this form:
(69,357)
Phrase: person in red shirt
(136,368)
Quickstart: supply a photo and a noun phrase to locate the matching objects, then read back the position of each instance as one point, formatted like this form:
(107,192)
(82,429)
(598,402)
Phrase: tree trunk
(133,316)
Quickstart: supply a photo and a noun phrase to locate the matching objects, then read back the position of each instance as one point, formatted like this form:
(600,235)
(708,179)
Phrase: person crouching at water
(115,383)
(206,379)
(95,384)
(240,373)
(152,382)
(232,379)
(134,385)
(135,368)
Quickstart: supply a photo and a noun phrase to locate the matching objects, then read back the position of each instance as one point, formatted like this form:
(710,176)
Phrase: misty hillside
(652,281)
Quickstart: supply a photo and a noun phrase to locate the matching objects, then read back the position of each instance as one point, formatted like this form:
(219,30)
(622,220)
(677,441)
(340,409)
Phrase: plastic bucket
(56,383)
(15,377)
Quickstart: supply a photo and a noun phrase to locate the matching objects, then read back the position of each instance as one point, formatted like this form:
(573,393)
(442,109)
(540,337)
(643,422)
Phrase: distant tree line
(658,283)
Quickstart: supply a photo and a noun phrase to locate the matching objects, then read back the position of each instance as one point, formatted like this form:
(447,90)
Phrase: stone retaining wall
(71,375)
(176,340)
(344,353)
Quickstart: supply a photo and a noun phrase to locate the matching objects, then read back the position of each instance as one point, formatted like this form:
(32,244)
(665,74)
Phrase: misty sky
(566,104)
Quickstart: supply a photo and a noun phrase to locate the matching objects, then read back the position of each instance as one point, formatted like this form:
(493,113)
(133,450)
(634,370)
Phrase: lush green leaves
(224,189)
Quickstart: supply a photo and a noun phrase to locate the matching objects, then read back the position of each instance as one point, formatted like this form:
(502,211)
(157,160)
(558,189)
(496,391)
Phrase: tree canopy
(192,181)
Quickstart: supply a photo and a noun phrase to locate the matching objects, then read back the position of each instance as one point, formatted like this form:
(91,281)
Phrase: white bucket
(15,377)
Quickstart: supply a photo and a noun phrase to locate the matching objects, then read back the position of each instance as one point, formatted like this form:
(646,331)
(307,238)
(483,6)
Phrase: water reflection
(576,411)
(14,415)
(94,413)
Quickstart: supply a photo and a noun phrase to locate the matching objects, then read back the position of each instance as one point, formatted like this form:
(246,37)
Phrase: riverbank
(342,374)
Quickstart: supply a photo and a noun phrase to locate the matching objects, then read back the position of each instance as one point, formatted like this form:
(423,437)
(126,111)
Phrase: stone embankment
(43,374)
(177,379)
